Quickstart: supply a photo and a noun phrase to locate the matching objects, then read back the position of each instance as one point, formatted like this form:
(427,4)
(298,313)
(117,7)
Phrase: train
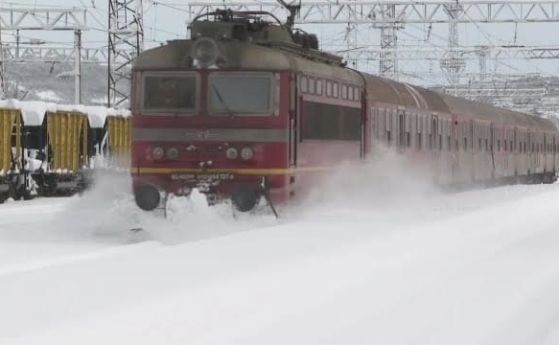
(250,108)
(50,149)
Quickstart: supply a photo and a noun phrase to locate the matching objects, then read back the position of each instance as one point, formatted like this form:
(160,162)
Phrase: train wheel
(147,197)
(549,178)
(21,193)
(245,198)
(14,192)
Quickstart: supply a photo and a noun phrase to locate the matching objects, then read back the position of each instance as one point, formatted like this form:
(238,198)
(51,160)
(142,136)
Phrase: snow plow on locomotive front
(212,113)
(222,163)
(221,169)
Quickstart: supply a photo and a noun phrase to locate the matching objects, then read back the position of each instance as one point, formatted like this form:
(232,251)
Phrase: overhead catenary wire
(411,37)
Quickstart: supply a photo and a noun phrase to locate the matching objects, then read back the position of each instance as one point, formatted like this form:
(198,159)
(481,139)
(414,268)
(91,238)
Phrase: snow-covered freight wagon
(48,149)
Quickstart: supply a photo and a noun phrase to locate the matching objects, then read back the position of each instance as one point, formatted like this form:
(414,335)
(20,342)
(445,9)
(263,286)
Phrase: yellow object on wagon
(10,137)
(67,139)
(120,140)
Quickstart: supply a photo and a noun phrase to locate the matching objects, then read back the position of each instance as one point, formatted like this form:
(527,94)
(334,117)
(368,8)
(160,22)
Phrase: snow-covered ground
(379,264)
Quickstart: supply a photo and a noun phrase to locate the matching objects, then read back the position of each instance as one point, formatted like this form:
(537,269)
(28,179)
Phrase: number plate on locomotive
(204,177)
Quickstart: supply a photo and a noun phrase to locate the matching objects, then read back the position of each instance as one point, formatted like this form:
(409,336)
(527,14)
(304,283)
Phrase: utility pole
(483,54)
(126,40)
(40,19)
(2,68)
(18,41)
(388,62)
(453,63)
(78,67)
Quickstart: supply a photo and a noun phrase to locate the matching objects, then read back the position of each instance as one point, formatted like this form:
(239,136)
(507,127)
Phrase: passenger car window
(344,91)
(304,84)
(312,85)
(319,87)
(330,122)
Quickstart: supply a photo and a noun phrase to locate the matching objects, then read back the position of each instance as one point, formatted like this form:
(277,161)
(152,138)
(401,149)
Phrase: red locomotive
(249,108)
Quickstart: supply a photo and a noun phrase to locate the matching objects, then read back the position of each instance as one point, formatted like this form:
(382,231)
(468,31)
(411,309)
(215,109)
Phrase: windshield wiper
(222,101)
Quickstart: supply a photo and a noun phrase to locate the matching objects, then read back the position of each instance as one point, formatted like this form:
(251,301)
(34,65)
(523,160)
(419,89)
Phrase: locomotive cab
(215,113)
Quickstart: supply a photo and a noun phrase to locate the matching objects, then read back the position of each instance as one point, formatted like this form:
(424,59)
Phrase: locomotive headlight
(173,153)
(231,153)
(157,153)
(205,51)
(247,153)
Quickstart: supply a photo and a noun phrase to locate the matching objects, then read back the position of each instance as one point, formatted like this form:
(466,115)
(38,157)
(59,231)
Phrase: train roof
(240,56)
(391,92)
(265,46)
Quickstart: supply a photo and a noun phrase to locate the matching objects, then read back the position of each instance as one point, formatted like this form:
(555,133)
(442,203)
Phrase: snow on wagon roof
(33,112)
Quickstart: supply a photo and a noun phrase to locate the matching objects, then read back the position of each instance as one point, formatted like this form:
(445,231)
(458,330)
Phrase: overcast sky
(166,20)
(161,21)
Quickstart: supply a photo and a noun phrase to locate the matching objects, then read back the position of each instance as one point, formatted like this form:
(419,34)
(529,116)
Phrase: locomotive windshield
(240,93)
(167,92)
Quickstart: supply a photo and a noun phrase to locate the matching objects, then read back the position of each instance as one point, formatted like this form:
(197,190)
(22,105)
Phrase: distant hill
(55,82)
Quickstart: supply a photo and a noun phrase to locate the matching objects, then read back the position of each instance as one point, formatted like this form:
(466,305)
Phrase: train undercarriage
(26,185)
(244,196)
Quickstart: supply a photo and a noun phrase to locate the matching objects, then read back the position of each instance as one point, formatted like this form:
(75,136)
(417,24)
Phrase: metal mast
(483,54)
(453,63)
(2,67)
(126,40)
(388,62)
(43,19)
(77,67)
